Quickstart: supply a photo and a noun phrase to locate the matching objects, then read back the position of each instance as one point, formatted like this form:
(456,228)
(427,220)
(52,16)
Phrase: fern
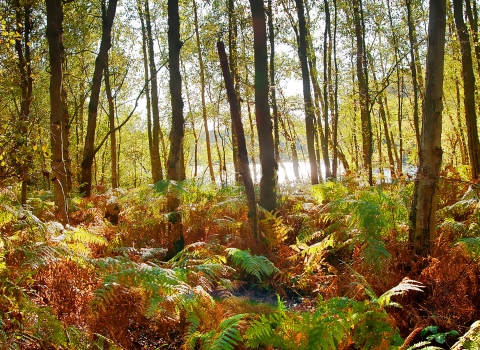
(224,337)
(255,265)
(472,245)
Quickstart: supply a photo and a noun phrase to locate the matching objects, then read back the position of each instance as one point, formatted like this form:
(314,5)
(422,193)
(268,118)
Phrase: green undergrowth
(312,282)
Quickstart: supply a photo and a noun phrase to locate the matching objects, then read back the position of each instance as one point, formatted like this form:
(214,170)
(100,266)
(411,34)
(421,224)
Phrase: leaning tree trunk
(89,151)
(424,203)
(268,184)
(202,83)
(240,137)
(307,95)
(469,89)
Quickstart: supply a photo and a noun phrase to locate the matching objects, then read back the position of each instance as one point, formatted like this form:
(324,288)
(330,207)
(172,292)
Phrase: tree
(157,173)
(424,203)
(56,53)
(23,15)
(240,137)
(202,83)
(268,184)
(469,89)
(362,77)
(89,151)
(307,95)
(175,168)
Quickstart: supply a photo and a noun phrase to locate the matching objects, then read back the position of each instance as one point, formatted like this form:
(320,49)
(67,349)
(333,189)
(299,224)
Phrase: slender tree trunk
(56,52)
(108,16)
(240,137)
(469,89)
(363,89)
(232,48)
(147,85)
(23,15)
(202,83)
(157,172)
(424,203)
(460,126)
(307,96)
(335,97)
(111,121)
(268,184)
(175,164)
(413,68)
(327,66)
(473,21)
(273,85)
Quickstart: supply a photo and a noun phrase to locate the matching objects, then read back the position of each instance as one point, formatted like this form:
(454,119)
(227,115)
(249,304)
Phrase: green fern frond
(255,265)
(375,253)
(472,245)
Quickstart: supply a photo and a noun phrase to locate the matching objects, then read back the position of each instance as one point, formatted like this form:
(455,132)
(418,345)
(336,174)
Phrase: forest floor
(332,270)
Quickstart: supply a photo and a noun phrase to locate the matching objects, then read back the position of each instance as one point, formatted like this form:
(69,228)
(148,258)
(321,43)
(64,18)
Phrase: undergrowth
(332,270)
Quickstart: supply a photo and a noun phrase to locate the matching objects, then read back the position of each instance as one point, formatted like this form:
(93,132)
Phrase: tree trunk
(157,172)
(89,151)
(232,48)
(175,163)
(424,203)
(363,89)
(147,85)
(111,121)
(268,184)
(202,83)
(26,84)
(327,66)
(273,85)
(335,97)
(469,89)
(413,68)
(460,126)
(240,137)
(307,96)
(56,52)
(399,154)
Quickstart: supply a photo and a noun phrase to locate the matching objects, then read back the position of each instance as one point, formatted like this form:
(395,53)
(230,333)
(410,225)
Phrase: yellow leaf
(34,147)
(44,148)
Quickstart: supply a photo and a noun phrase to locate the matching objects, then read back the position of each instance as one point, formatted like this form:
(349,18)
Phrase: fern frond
(375,253)
(255,265)
(472,245)
(400,289)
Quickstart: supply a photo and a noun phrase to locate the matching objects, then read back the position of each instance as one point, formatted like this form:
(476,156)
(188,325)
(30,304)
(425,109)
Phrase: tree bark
(424,203)
(175,159)
(413,68)
(271,37)
(469,89)
(327,66)
(268,184)
(23,15)
(56,52)
(157,172)
(111,122)
(240,137)
(108,16)
(307,96)
(202,83)
(363,89)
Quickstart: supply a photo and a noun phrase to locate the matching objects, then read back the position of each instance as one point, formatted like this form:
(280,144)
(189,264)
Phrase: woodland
(288,174)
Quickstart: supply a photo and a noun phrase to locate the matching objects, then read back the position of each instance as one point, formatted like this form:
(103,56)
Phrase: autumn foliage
(333,271)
